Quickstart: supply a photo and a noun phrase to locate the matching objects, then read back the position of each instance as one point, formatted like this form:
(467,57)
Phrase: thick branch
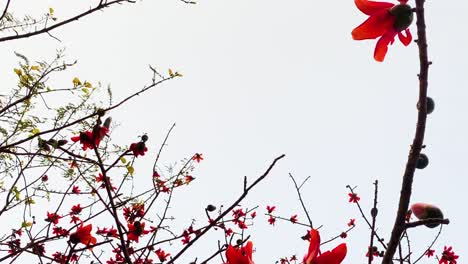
(405,193)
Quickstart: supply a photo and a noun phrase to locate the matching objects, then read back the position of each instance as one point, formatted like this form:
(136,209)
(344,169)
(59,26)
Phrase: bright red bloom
(448,256)
(241,255)
(53,218)
(83,235)
(136,230)
(335,256)
(138,148)
(253,215)
(162,255)
(197,157)
(386,20)
(354,198)
(352,222)
(90,139)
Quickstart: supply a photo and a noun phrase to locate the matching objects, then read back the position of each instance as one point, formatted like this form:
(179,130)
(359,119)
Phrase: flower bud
(426,211)
(422,162)
(403,16)
(62,142)
(107,122)
(210,208)
(430,105)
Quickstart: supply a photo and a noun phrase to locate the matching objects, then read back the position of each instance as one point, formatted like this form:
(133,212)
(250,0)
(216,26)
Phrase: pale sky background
(263,78)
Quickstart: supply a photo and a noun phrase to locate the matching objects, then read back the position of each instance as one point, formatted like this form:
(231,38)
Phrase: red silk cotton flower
(138,148)
(90,139)
(83,235)
(241,255)
(386,20)
(335,256)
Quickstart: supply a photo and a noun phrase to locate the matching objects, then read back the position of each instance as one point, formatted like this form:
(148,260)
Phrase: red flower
(293,219)
(136,230)
(335,256)
(271,220)
(53,218)
(162,255)
(253,215)
(138,148)
(448,256)
(270,209)
(59,231)
(429,253)
(83,235)
(352,222)
(186,239)
(242,225)
(76,209)
(228,232)
(386,20)
(354,198)
(197,157)
(76,190)
(241,255)
(90,139)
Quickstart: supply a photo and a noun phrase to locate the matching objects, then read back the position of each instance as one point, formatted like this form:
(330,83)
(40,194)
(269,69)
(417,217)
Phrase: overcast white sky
(263,78)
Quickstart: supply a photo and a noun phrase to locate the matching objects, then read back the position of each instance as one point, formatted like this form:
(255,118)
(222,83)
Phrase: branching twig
(226,211)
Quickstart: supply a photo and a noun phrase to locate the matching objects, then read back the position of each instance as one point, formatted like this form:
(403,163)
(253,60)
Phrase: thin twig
(298,190)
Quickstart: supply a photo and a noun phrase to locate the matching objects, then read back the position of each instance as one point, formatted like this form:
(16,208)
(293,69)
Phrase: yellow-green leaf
(35,68)
(35,131)
(76,82)
(26,224)
(30,201)
(88,84)
(51,10)
(171,73)
(17,193)
(130,170)
(123,160)
(18,71)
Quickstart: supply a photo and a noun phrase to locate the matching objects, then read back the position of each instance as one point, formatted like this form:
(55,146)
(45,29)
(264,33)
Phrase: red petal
(406,40)
(313,247)
(371,7)
(335,256)
(375,26)
(248,249)
(382,45)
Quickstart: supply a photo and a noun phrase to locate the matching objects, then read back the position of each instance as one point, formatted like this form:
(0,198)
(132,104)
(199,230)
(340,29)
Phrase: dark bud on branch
(210,208)
(422,162)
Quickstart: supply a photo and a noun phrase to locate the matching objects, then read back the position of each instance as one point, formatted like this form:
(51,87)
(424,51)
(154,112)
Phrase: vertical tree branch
(405,193)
